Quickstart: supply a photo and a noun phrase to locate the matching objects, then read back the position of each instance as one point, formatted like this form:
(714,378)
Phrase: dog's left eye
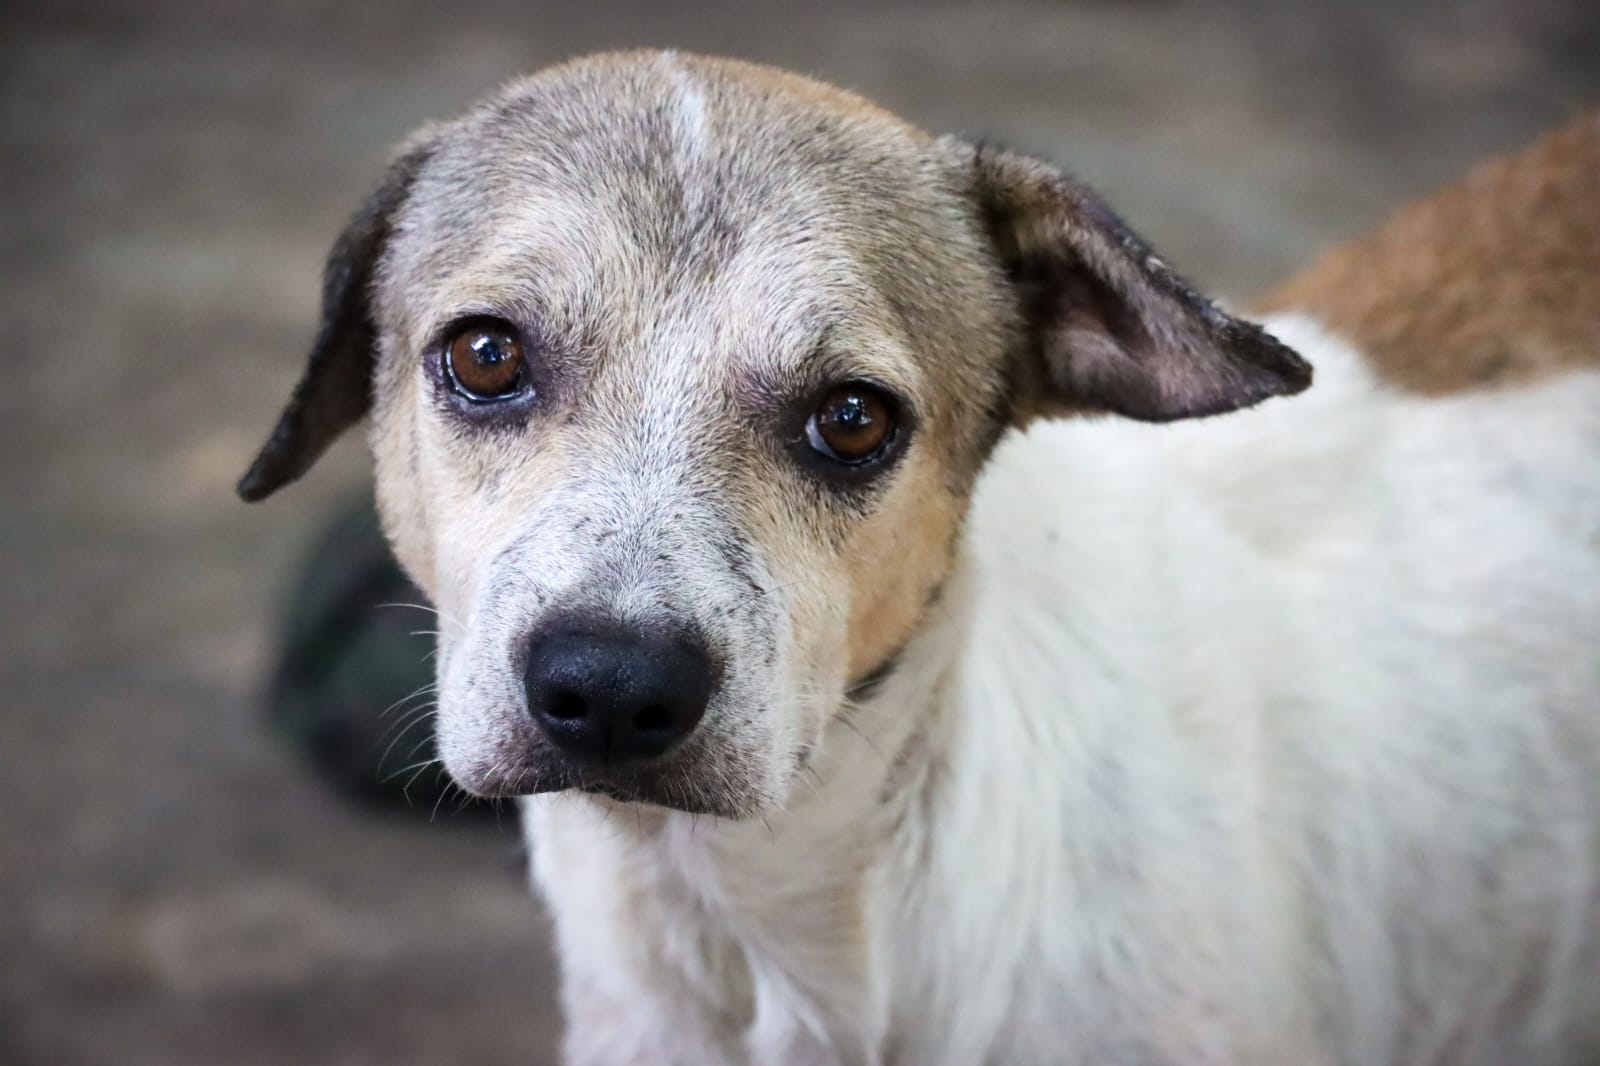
(853,425)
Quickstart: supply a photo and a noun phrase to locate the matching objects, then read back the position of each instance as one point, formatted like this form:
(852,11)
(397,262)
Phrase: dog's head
(681,372)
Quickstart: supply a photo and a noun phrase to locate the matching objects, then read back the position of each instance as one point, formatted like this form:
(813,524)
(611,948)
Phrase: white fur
(1273,738)
(692,127)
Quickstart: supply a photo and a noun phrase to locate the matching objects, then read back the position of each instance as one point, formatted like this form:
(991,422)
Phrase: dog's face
(681,372)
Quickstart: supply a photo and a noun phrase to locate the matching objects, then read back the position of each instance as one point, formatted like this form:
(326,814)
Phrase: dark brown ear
(335,390)
(1110,327)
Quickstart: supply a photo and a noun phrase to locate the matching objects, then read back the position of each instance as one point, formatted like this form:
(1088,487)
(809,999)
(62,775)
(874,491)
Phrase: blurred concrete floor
(173,889)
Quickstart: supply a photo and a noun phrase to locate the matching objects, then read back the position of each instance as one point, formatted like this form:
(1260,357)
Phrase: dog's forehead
(625,178)
(649,121)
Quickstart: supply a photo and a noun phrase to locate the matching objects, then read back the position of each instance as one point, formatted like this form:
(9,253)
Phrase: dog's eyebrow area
(773,375)
(527,267)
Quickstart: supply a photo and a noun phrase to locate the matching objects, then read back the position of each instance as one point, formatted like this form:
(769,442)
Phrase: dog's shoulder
(1491,281)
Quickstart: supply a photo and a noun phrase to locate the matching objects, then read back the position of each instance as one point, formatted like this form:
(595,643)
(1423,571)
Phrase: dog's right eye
(484,362)
(853,424)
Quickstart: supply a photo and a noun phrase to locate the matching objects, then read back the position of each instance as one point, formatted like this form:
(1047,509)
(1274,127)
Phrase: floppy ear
(335,390)
(1110,327)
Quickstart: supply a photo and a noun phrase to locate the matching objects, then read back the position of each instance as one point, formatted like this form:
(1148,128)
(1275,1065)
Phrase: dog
(886,681)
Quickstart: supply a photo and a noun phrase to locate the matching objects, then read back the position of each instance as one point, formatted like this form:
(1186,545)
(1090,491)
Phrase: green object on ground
(353,687)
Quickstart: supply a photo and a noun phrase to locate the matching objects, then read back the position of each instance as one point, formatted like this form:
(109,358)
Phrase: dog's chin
(690,803)
(668,787)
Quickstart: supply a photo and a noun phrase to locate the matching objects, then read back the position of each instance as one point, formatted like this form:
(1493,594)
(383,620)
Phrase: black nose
(616,694)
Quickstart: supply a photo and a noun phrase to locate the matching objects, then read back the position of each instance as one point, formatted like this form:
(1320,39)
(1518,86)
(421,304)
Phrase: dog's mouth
(670,787)
(620,793)
(688,801)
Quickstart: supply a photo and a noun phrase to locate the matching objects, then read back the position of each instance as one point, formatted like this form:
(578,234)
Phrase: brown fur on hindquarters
(1492,281)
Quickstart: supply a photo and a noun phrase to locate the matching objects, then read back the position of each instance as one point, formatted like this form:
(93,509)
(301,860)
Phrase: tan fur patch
(797,87)
(894,566)
(1493,280)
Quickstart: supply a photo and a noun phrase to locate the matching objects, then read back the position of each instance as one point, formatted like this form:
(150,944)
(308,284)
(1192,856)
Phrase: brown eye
(852,425)
(484,362)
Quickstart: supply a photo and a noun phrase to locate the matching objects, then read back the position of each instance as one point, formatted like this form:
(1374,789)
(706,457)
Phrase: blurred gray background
(174,887)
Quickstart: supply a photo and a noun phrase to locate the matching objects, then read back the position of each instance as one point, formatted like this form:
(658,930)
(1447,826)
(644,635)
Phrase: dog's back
(1370,623)
(1492,281)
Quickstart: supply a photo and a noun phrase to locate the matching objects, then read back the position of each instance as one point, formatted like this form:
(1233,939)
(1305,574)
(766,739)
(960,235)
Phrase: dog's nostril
(652,718)
(567,706)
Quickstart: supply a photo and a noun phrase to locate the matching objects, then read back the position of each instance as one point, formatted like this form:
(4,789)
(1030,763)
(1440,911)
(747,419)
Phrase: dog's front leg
(790,1040)
(648,994)
(633,997)
(645,981)
(839,1023)
(607,1026)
